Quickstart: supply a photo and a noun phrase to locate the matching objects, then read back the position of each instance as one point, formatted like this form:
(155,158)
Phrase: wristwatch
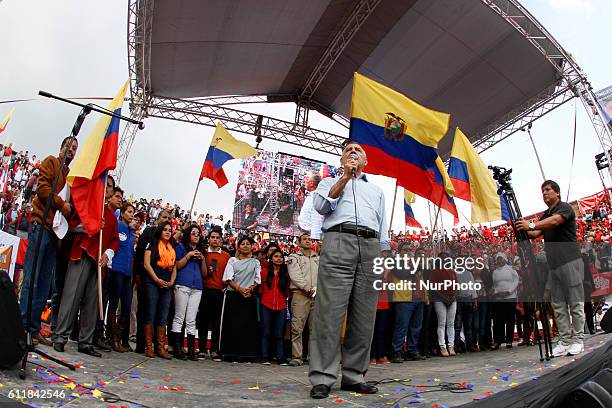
(531,226)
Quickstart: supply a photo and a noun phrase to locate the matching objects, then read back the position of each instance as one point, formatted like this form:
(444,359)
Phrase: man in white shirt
(310,220)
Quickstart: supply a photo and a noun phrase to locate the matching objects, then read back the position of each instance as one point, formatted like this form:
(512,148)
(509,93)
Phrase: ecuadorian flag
(473,182)
(97,156)
(400,138)
(5,122)
(410,198)
(223,147)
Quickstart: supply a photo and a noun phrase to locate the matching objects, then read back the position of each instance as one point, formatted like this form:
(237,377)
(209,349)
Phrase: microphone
(353,156)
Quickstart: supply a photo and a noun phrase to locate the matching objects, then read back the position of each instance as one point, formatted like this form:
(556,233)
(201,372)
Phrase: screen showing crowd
(275,194)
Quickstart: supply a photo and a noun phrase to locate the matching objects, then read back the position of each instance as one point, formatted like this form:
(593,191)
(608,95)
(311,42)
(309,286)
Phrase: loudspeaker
(13,339)
(606,322)
(594,393)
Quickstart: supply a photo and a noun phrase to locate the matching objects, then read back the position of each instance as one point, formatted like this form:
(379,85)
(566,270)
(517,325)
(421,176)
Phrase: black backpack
(13,340)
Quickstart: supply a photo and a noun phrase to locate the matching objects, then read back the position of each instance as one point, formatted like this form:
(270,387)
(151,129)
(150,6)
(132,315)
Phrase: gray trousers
(80,293)
(344,288)
(567,299)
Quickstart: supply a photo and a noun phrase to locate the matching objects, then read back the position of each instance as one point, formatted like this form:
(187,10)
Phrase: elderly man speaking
(355,231)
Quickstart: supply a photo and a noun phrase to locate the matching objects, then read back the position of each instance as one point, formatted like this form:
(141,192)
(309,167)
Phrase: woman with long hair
(274,291)
(120,275)
(160,264)
(190,266)
(239,328)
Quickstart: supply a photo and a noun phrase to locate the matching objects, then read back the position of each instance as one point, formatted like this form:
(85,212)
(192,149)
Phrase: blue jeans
(273,322)
(408,322)
(484,324)
(464,318)
(158,303)
(120,289)
(45,269)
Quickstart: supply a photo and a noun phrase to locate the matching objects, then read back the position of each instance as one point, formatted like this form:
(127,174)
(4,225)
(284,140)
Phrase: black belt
(358,230)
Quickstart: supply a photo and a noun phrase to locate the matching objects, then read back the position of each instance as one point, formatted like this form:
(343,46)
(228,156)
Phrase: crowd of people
(169,275)
(18,178)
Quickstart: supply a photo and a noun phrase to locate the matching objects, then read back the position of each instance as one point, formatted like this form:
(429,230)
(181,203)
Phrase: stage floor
(159,383)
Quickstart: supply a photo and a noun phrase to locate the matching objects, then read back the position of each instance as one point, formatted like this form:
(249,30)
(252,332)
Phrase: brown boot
(124,333)
(161,340)
(148,339)
(114,333)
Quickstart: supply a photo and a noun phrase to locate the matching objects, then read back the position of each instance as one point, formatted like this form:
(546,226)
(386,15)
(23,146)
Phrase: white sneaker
(575,349)
(560,350)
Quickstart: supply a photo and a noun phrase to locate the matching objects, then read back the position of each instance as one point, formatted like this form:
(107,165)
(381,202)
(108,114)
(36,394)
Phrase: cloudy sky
(78,48)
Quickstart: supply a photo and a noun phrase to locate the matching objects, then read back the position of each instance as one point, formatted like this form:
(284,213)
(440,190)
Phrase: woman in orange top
(160,264)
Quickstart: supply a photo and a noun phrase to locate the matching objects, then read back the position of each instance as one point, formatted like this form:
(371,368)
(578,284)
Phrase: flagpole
(195,194)
(392,209)
(100,305)
(443,231)
(429,212)
(434,225)
(469,222)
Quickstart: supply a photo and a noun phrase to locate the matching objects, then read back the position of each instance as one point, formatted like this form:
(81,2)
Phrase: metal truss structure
(572,82)
(210,110)
(341,39)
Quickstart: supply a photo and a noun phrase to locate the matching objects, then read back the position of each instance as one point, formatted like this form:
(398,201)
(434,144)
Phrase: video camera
(502,176)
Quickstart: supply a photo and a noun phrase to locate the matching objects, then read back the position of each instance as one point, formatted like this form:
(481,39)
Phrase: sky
(76,48)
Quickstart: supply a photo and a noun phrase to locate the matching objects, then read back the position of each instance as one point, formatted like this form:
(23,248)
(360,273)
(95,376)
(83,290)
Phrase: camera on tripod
(502,176)
(532,282)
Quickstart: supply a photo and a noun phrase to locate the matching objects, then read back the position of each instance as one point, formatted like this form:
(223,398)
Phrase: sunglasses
(195,233)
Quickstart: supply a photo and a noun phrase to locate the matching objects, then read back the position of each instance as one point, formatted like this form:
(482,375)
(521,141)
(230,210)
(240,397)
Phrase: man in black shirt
(564,284)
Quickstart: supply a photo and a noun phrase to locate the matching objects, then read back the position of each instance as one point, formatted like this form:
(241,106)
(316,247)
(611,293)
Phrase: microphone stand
(85,110)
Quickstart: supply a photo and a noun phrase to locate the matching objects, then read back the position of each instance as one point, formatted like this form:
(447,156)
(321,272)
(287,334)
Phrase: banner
(592,202)
(8,262)
(604,97)
(602,284)
(275,194)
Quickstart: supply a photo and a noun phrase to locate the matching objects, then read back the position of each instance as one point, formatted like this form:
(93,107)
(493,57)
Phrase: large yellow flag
(400,138)
(474,182)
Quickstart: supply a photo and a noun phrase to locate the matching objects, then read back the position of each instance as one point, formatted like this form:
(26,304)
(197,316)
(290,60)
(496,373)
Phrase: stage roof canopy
(456,56)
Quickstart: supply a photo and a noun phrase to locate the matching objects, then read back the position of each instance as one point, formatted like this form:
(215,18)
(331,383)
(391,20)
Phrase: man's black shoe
(320,391)
(89,350)
(361,388)
(415,356)
(396,357)
(101,343)
(59,347)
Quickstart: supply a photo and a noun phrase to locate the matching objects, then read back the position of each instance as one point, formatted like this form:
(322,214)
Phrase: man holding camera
(564,285)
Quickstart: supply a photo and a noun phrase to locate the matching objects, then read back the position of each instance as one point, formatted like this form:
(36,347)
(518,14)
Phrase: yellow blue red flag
(96,157)
(400,138)
(411,221)
(224,147)
(473,182)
